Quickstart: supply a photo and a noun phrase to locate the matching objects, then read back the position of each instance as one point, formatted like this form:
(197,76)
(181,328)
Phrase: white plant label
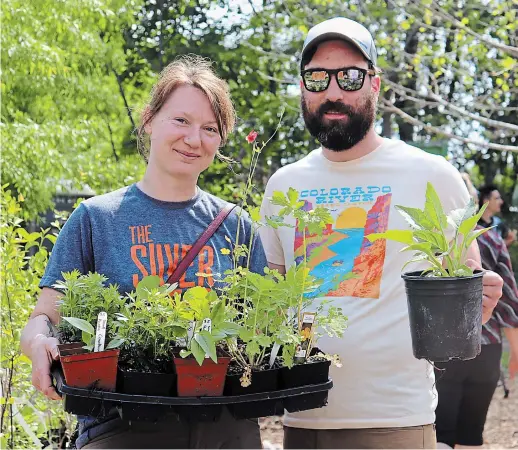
(206,325)
(273,355)
(100,333)
(190,332)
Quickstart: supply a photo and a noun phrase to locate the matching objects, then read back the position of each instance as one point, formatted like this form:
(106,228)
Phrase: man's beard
(335,134)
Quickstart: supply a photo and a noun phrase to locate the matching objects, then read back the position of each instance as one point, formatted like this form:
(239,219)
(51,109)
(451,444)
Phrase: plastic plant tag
(206,325)
(306,329)
(273,354)
(100,333)
(190,331)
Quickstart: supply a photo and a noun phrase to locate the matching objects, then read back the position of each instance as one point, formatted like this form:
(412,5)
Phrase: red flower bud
(252,136)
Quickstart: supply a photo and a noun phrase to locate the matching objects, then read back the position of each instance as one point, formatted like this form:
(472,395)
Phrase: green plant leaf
(293,196)
(197,351)
(230,329)
(474,235)
(403,236)
(418,257)
(463,271)
(246,335)
(457,216)
(206,341)
(435,238)
(185,353)
(197,299)
(115,343)
(415,217)
(468,224)
(279,199)
(81,324)
(217,314)
(146,285)
(433,208)
(418,247)
(276,222)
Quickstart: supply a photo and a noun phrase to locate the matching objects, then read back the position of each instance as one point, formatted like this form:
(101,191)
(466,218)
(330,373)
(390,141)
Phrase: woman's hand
(44,350)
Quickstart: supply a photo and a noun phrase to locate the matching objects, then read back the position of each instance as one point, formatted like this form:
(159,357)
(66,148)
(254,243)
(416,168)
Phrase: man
(467,387)
(382,397)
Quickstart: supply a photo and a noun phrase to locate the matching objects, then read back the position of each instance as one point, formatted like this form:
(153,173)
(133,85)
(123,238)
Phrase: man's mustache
(337,107)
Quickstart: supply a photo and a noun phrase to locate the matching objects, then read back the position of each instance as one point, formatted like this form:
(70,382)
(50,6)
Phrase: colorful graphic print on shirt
(350,265)
(152,258)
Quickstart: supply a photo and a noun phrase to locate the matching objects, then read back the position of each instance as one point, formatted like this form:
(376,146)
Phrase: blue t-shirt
(126,235)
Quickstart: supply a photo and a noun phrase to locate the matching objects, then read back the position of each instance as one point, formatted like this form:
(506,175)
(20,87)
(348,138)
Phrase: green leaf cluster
(427,236)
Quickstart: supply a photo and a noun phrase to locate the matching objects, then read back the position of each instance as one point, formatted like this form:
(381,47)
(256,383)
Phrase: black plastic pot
(445,316)
(145,383)
(304,374)
(262,381)
(305,402)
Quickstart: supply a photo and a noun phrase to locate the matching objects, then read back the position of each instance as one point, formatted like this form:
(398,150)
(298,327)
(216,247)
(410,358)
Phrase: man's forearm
(37,327)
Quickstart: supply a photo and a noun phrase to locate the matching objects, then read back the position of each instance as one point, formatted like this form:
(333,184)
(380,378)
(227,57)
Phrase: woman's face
(184,134)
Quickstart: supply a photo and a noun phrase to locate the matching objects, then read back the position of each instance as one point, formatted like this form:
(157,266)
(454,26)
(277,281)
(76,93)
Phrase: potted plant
(147,325)
(272,309)
(445,298)
(85,296)
(202,364)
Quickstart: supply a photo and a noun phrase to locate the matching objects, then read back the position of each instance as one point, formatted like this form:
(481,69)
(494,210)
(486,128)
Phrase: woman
(146,228)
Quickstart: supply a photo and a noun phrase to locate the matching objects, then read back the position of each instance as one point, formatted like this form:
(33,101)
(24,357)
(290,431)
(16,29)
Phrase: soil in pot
(445,316)
(314,371)
(194,380)
(89,370)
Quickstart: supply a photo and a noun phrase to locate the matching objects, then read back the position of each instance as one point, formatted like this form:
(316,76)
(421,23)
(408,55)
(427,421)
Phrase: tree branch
(121,90)
(387,106)
(459,111)
(457,23)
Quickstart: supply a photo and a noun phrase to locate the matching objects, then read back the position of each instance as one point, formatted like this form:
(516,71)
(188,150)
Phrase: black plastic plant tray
(145,407)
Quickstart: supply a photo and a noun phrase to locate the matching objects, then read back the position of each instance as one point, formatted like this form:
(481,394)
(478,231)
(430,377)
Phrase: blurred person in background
(466,387)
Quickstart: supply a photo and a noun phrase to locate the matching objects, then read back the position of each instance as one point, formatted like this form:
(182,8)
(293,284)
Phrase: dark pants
(465,391)
(407,437)
(227,432)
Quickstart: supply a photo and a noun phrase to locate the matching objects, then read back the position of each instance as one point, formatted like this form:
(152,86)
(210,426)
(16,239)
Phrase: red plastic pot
(84,369)
(194,380)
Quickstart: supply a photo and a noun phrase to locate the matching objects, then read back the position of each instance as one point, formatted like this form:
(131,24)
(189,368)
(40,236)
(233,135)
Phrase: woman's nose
(193,138)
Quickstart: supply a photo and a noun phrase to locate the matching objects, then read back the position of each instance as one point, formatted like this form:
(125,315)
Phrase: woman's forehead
(191,101)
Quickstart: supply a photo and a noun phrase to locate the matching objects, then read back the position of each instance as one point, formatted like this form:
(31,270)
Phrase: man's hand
(492,290)
(43,351)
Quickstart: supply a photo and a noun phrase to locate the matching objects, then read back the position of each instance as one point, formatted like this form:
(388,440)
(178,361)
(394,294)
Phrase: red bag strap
(198,245)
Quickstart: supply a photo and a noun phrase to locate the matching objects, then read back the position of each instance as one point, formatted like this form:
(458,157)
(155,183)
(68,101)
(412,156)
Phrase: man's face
(495,202)
(339,119)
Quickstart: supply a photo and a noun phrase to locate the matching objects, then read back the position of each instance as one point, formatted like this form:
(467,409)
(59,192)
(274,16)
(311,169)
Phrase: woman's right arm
(39,343)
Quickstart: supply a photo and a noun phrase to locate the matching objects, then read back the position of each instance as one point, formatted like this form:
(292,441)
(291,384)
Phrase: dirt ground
(501,431)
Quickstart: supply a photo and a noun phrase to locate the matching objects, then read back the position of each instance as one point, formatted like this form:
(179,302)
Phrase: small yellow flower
(225,251)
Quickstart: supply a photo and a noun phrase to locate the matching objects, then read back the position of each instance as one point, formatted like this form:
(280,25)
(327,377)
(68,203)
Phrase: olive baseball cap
(343,29)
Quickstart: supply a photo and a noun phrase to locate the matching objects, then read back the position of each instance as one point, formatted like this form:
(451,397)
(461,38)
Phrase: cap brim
(330,37)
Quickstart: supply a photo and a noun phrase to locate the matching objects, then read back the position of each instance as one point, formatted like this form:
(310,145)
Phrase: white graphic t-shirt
(380,384)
